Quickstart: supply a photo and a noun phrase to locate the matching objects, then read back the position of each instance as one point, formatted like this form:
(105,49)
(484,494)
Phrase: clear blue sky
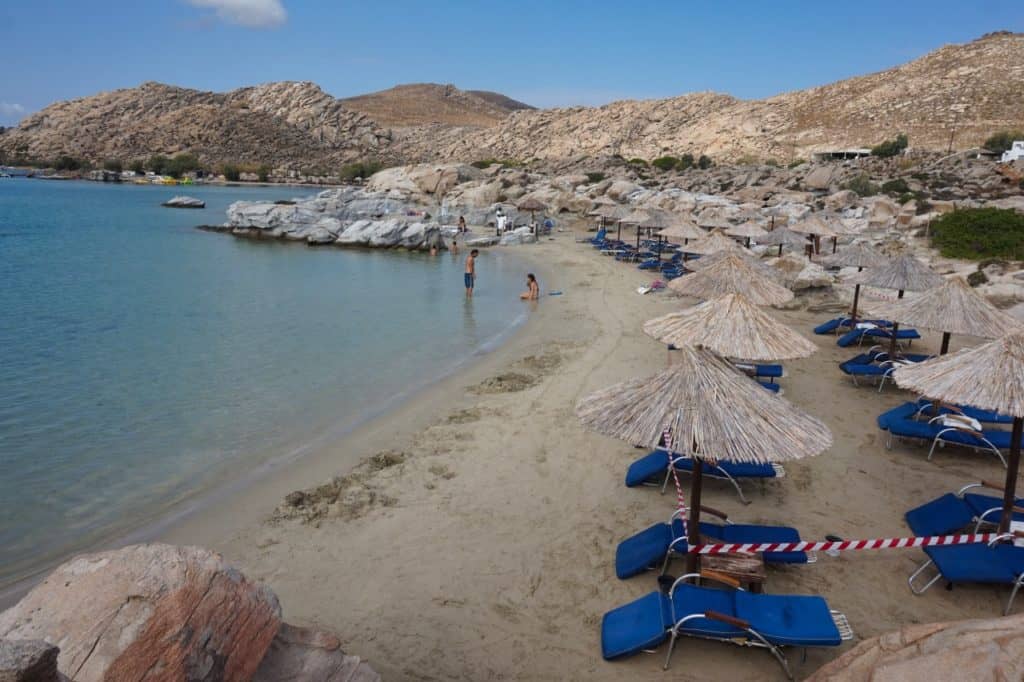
(544,52)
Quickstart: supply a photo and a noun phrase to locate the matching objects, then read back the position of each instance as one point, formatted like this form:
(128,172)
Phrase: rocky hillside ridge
(974,89)
(430,103)
(970,90)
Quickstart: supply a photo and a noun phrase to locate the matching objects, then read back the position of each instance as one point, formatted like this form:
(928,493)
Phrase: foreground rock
(28,660)
(184,202)
(991,649)
(182,611)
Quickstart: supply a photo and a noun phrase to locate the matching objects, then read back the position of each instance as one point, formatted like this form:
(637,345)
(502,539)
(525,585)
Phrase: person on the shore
(462,224)
(532,292)
(470,277)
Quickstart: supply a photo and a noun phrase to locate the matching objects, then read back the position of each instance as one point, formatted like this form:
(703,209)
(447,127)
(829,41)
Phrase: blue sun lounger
(835,324)
(858,335)
(999,563)
(953,512)
(922,410)
(659,544)
(770,621)
(652,469)
(938,431)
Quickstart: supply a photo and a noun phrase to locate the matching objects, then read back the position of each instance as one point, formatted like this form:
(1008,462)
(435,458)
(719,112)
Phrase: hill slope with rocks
(969,91)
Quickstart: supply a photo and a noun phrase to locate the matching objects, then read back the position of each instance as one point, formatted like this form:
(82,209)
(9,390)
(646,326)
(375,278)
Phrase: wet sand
(471,533)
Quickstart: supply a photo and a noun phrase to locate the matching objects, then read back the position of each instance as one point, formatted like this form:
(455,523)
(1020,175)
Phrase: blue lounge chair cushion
(789,620)
(853,336)
(905,411)
(647,548)
(908,428)
(831,325)
(943,515)
(656,463)
(768,370)
(638,625)
(987,416)
(770,385)
(864,370)
(978,563)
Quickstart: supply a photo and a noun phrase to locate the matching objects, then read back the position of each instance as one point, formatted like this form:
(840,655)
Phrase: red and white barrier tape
(680,500)
(843,545)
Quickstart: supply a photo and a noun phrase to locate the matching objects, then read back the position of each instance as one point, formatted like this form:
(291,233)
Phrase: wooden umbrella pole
(1012,467)
(892,341)
(856,298)
(945,343)
(834,241)
(693,522)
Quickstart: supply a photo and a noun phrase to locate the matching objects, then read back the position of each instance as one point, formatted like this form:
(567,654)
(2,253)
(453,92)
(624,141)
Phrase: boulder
(883,210)
(819,178)
(306,654)
(390,233)
(520,235)
(121,614)
(184,202)
(813,276)
(841,199)
(320,235)
(985,649)
(28,660)
(620,190)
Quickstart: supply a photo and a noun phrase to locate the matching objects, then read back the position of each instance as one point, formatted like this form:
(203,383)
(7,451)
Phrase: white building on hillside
(1014,153)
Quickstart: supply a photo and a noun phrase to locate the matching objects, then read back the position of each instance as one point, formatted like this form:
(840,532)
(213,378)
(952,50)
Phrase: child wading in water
(532,292)
(470,276)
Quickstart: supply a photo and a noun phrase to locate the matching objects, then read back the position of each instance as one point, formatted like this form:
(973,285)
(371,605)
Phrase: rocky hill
(429,103)
(969,90)
(972,89)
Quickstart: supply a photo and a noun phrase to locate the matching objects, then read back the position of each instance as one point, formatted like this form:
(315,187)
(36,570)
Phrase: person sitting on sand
(532,292)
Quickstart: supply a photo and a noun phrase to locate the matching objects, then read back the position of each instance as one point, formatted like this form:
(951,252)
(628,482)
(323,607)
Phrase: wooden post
(945,343)
(1012,467)
(895,328)
(853,313)
(693,521)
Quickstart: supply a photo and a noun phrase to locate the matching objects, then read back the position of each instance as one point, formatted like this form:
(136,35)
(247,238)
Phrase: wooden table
(748,569)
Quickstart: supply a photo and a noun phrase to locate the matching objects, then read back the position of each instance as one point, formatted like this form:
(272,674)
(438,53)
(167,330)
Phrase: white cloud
(248,13)
(9,110)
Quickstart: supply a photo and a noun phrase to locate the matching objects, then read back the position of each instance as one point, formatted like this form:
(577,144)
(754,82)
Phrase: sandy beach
(472,532)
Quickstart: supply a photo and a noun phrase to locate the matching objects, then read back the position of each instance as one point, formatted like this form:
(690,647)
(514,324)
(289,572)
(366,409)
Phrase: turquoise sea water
(143,361)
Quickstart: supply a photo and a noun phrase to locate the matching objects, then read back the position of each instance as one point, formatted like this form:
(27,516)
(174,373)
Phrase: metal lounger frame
(938,575)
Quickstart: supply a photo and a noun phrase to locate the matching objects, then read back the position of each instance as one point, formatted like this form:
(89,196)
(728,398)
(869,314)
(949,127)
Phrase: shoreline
(194,509)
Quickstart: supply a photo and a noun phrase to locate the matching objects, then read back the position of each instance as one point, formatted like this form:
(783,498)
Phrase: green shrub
(891,147)
(68,163)
(862,185)
(231,172)
(897,186)
(704,162)
(181,164)
(595,177)
(157,163)
(665,163)
(685,161)
(796,162)
(362,169)
(979,233)
(636,161)
(138,166)
(977,278)
(263,171)
(1000,142)
(485,163)
(113,165)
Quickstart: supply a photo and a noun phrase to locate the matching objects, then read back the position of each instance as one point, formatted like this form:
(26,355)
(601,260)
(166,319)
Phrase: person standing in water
(470,276)
(532,292)
(462,223)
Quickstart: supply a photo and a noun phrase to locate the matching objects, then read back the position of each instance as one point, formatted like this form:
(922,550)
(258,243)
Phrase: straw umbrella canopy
(615,213)
(680,227)
(713,242)
(531,204)
(813,224)
(712,411)
(770,272)
(636,217)
(905,273)
(733,327)
(749,229)
(858,256)
(990,377)
(732,275)
(713,222)
(783,236)
(953,308)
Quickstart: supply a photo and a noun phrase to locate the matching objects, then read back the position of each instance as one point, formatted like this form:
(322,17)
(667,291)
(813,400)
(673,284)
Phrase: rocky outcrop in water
(182,611)
(184,202)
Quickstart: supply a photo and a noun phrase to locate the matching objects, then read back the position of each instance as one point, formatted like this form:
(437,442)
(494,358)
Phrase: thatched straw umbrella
(953,308)
(732,275)
(712,411)
(635,217)
(680,227)
(713,221)
(532,204)
(733,327)
(813,224)
(715,241)
(905,273)
(783,236)
(990,377)
(858,256)
(601,205)
(615,213)
(749,229)
(753,261)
